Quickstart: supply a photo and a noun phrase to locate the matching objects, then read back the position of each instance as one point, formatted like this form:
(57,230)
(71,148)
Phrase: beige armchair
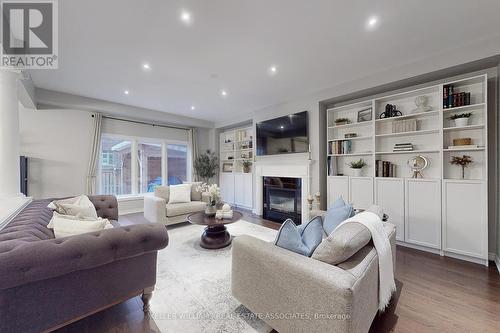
(158,210)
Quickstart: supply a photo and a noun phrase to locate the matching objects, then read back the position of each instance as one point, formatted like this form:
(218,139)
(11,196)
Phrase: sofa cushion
(337,213)
(184,208)
(195,194)
(162,192)
(342,243)
(302,239)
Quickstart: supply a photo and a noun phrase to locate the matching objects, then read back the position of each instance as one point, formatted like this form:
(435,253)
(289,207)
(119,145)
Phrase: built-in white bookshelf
(431,133)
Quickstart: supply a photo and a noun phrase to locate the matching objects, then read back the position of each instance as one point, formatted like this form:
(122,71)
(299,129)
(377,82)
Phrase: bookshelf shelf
(407,116)
(363,123)
(420,151)
(420,132)
(464,149)
(354,138)
(352,154)
(462,128)
(464,108)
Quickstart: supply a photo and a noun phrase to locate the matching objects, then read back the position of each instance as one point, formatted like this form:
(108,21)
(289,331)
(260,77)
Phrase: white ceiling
(232,43)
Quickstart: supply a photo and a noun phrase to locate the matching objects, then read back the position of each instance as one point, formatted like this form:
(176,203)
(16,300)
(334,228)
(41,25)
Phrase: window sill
(132,197)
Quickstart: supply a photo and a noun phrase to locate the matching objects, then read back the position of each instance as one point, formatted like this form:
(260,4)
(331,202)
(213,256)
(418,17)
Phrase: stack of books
(385,169)
(400,126)
(403,147)
(452,99)
(340,147)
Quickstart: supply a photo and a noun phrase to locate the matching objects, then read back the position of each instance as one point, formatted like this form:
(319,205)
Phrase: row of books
(340,147)
(452,99)
(407,125)
(385,169)
(403,147)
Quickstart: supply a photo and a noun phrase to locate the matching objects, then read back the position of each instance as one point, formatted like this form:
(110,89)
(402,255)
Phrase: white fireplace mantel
(284,168)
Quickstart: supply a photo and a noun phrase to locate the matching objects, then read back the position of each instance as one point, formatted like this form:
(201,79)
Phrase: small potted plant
(357,166)
(214,197)
(461,119)
(341,121)
(462,161)
(247,164)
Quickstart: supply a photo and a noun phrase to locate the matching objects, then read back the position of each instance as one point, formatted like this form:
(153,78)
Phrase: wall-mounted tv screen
(284,135)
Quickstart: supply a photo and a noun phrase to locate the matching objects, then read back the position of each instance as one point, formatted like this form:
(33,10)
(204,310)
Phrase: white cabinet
(423,212)
(465,220)
(338,186)
(243,189)
(361,192)
(227,187)
(390,194)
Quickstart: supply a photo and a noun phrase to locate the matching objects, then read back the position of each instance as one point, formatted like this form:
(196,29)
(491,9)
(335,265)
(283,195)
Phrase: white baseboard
(131,211)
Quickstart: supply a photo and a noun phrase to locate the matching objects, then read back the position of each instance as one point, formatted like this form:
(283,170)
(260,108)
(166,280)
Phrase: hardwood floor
(434,294)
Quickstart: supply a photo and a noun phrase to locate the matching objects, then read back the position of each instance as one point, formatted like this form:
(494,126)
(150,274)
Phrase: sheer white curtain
(94,154)
(193,144)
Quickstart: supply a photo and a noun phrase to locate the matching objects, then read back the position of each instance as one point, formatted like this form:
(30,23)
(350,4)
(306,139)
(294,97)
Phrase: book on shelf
(332,166)
(385,169)
(452,99)
(401,126)
(403,147)
(340,147)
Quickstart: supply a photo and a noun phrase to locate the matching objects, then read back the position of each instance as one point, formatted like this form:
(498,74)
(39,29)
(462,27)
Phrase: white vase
(357,172)
(460,122)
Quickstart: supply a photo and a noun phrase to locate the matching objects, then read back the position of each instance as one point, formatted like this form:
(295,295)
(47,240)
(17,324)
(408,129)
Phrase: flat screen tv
(284,135)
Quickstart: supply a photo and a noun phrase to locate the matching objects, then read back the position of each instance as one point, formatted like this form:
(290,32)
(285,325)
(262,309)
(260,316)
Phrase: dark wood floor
(434,294)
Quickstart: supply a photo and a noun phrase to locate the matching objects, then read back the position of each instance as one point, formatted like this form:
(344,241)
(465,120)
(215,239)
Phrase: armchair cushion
(184,208)
(302,239)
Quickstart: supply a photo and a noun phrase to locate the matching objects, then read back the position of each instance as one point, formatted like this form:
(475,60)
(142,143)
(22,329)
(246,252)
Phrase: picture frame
(227,167)
(365,115)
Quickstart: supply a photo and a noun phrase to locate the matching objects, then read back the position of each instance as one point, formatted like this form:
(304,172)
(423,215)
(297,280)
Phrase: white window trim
(134,167)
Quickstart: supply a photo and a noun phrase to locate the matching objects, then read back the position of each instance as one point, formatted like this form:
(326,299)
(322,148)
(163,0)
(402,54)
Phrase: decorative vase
(246,169)
(460,122)
(357,172)
(210,210)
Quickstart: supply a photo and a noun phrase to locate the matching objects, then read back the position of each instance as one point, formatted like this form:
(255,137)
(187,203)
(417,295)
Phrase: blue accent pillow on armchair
(336,214)
(302,239)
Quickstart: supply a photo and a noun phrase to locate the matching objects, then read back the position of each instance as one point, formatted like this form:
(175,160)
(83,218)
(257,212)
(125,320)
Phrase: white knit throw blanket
(383,247)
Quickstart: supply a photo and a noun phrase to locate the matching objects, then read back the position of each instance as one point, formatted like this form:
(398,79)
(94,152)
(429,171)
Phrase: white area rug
(193,284)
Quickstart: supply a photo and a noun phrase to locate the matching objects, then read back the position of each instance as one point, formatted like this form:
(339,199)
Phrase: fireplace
(282,199)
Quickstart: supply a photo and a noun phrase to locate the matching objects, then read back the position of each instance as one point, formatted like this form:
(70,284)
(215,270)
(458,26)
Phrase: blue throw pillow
(302,239)
(336,214)
(338,203)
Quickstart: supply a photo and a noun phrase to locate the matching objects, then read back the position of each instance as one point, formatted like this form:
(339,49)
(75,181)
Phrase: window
(130,165)
(116,171)
(149,160)
(177,163)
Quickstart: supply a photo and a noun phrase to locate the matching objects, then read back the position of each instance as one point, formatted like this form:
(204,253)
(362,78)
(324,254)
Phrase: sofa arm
(270,280)
(106,206)
(35,261)
(155,209)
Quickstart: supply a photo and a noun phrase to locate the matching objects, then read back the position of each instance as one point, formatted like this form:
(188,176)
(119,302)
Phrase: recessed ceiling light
(186,17)
(223,93)
(126,92)
(372,22)
(273,69)
(282,127)
(146,66)
(193,107)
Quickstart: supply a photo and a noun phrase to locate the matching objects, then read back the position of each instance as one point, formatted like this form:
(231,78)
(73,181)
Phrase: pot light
(126,92)
(372,22)
(223,93)
(193,107)
(186,17)
(273,69)
(146,66)
(282,127)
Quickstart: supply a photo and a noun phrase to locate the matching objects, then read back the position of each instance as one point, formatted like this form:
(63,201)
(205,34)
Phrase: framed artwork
(364,115)
(227,167)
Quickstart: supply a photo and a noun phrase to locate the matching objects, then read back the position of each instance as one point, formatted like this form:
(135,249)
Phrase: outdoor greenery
(206,166)
(357,164)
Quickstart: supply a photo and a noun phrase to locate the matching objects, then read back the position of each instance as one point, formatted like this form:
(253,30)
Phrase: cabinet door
(248,190)
(338,186)
(465,224)
(390,195)
(227,186)
(361,192)
(239,189)
(423,212)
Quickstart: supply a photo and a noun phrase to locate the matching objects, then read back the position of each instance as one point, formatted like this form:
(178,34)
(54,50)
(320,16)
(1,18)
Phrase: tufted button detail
(25,269)
(79,256)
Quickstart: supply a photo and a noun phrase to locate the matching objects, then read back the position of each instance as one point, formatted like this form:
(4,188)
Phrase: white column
(9,134)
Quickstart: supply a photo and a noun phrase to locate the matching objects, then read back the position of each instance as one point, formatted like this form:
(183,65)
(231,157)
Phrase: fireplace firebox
(282,199)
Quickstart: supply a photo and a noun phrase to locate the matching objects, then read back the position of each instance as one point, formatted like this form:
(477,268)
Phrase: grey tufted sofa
(46,283)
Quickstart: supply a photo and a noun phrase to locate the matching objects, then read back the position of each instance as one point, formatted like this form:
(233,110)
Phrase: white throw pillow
(65,225)
(77,219)
(180,193)
(80,206)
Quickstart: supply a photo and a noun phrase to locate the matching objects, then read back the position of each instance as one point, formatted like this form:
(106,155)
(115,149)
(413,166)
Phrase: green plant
(206,166)
(357,164)
(341,120)
(461,115)
(246,163)
(462,161)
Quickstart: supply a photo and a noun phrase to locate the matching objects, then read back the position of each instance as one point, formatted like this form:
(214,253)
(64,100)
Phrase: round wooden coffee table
(215,235)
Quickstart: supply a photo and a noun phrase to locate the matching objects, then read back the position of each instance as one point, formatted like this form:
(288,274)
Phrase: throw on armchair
(158,210)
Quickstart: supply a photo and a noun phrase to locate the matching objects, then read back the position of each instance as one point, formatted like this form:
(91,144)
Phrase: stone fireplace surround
(277,167)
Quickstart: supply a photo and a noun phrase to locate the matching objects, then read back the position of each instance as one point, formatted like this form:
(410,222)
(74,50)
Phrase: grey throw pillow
(302,239)
(342,243)
(195,194)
